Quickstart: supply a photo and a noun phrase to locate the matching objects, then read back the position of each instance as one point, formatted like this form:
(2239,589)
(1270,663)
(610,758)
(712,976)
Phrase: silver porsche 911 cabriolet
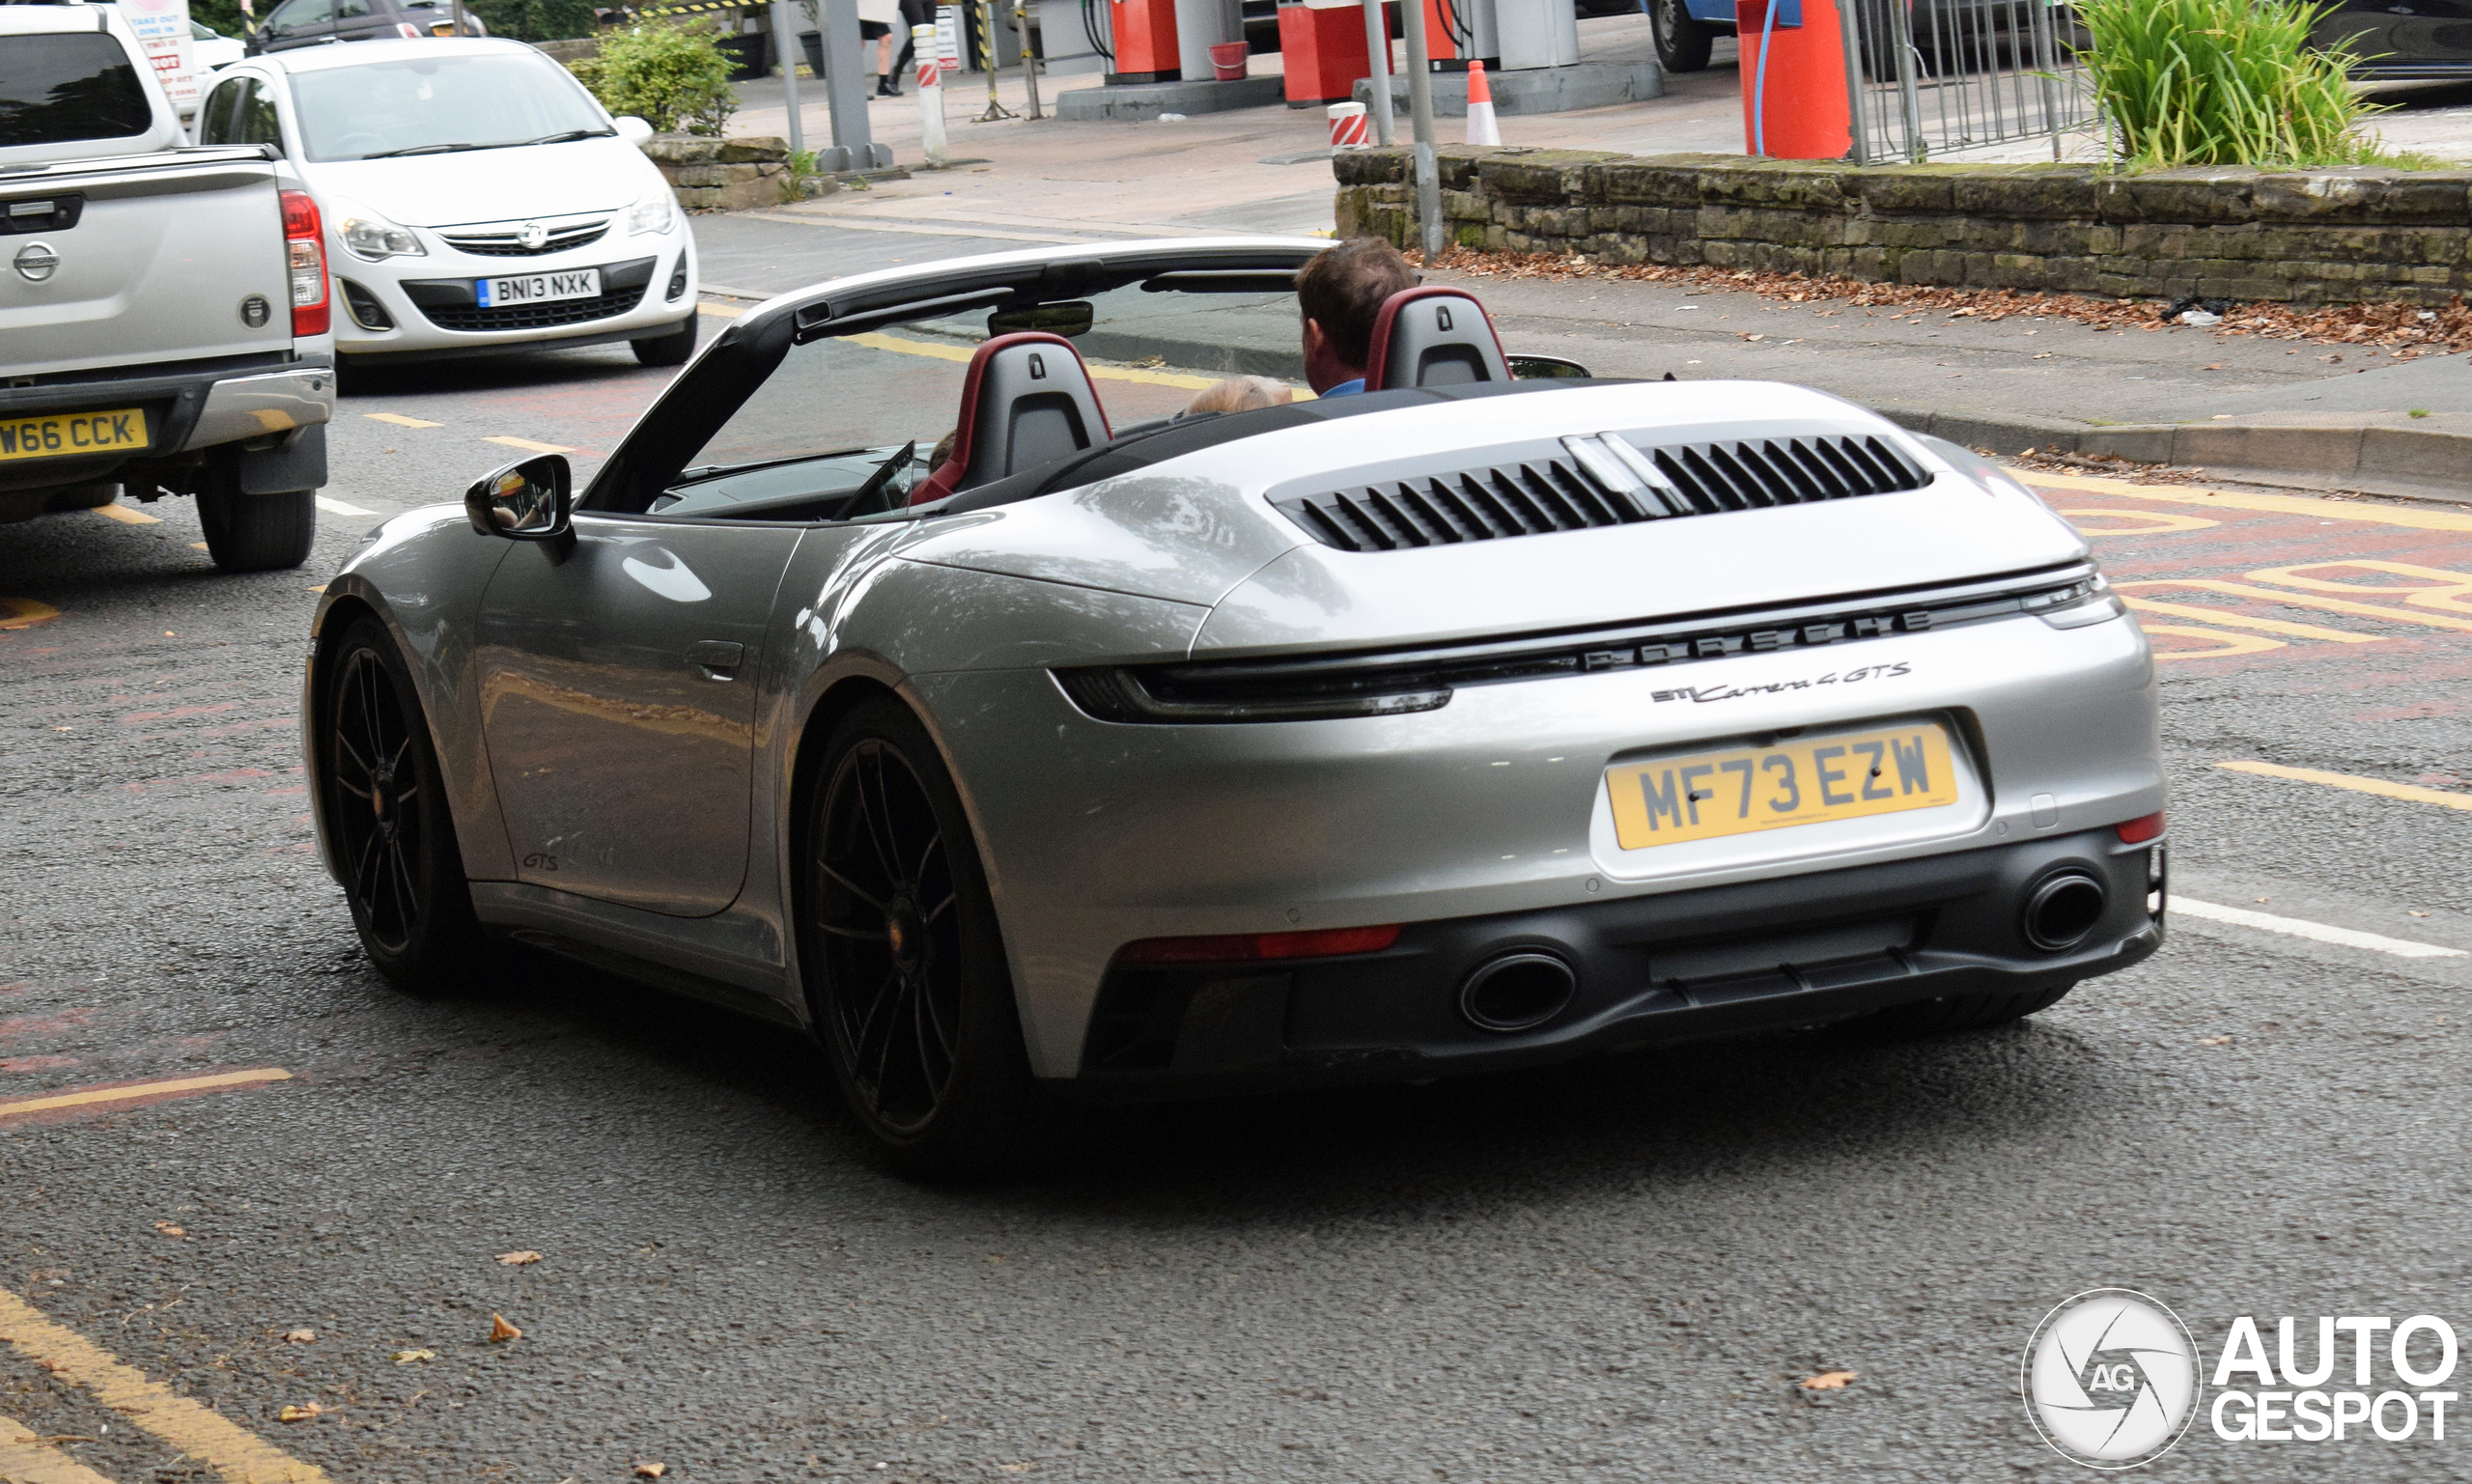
(1112,750)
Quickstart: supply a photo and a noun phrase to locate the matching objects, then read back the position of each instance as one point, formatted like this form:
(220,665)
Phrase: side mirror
(523,501)
(1546,367)
(633,130)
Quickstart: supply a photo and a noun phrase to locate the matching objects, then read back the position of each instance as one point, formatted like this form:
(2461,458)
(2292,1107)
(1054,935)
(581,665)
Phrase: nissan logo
(533,235)
(34,261)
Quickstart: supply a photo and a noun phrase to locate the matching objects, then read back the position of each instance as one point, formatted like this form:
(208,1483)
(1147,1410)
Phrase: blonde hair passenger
(1239,394)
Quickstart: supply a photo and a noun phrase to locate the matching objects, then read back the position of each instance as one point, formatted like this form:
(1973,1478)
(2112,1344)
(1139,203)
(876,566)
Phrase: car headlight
(372,238)
(654,213)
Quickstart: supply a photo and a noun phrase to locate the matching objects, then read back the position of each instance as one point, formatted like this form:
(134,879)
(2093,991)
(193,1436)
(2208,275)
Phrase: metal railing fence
(1929,77)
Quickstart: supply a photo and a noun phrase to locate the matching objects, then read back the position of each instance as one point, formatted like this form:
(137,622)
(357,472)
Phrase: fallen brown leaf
(303,1336)
(522,1259)
(169,1230)
(651,1470)
(408,1356)
(2215,1040)
(1827,1381)
(500,1332)
(299,1414)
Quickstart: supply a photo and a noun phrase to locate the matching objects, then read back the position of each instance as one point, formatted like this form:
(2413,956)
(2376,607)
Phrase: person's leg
(900,65)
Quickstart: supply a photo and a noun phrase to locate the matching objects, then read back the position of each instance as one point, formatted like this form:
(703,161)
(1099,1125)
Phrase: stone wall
(727,175)
(2315,237)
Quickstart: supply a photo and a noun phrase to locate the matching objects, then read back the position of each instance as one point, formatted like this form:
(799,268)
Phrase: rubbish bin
(746,52)
(813,43)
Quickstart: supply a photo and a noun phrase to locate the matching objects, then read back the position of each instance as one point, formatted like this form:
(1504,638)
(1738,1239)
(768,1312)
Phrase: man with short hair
(1341,294)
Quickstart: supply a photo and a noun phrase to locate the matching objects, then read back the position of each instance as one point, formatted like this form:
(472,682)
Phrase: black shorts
(870,30)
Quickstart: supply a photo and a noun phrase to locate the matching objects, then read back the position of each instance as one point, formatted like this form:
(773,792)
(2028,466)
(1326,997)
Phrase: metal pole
(785,38)
(1377,55)
(1411,17)
(1909,104)
(1029,63)
(1856,129)
(460,23)
(845,72)
(995,108)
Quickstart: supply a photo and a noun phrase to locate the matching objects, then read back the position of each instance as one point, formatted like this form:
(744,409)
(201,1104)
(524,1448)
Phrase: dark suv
(318,22)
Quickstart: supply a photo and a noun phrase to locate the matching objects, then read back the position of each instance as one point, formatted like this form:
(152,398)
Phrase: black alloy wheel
(905,964)
(892,936)
(387,821)
(1682,44)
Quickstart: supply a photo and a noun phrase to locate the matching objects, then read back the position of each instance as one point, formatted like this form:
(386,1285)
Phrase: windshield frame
(557,83)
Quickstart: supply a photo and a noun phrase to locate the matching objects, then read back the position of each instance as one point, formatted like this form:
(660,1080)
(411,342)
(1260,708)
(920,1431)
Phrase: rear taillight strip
(304,246)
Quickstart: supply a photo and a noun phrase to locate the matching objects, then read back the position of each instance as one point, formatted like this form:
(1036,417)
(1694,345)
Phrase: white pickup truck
(163,310)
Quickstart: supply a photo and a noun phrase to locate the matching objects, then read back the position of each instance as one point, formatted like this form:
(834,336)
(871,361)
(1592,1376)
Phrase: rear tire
(253,532)
(388,824)
(904,962)
(1963,1012)
(670,349)
(1683,43)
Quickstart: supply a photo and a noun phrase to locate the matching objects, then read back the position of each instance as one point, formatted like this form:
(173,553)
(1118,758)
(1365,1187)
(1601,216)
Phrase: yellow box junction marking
(399,420)
(528,445)
(2274,504)
(26,1459)
(2152,521)
(94,1096)
(2353,781)
(25,612)
(2224,643)
(125,516)
(205,1435)
(718,311)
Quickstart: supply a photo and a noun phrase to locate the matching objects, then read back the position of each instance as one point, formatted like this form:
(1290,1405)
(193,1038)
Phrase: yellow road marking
(718,312)
(197,546)
(239,1457)
(2298,600)
(527,443)
(2353,781)
(125,516)
(877,340)
(25,612)
(2445,589)
(399,420)
(2207,615)
(2228,643)
(26,1459)
(2278,504)
(96,1094)
(2155,520)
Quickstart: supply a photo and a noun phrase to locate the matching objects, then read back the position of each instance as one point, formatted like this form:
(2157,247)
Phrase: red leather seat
(1026,400)
(1433,336)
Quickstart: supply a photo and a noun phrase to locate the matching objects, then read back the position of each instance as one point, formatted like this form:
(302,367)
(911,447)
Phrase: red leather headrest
(947,476)
(1378,368)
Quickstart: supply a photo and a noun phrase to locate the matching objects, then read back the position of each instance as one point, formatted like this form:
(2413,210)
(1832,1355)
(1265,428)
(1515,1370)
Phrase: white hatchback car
(476,197)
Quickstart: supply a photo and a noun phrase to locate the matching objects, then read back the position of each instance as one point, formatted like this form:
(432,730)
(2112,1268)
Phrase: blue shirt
(1346,388)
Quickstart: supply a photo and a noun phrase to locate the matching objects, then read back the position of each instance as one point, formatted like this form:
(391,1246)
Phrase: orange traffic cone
(1482,128)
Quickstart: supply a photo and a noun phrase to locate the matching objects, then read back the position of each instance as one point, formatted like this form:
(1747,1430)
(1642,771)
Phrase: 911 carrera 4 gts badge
(1890,671)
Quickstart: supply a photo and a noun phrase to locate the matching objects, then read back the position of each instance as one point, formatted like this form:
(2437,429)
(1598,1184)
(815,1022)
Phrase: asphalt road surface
(236,1167)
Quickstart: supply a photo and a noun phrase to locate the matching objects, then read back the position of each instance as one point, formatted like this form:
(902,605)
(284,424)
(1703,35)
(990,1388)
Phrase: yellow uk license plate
(66,435)
(1805,780)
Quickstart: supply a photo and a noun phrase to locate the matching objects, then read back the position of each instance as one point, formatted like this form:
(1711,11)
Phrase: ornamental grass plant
(2226,82)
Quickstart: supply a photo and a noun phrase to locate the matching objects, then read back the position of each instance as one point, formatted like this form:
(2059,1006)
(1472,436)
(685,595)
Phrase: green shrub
(670,75)
(2225,82)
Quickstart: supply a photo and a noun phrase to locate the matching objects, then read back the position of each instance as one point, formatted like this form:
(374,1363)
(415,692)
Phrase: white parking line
(2320,931)
(339,508)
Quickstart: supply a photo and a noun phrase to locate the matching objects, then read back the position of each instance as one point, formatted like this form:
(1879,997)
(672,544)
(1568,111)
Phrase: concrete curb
(2371,453)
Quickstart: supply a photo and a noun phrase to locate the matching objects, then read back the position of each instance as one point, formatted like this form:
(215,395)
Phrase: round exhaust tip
(2062,910)
(1516,991)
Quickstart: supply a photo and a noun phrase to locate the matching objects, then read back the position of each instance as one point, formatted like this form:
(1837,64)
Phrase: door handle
(718,659)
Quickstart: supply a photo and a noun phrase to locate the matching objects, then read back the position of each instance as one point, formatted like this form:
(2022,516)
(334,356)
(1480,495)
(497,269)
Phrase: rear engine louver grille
(1607,482)
(1524,499)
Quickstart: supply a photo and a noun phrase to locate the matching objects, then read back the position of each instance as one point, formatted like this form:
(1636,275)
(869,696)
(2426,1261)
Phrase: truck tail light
(304,247)
(2141,829)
